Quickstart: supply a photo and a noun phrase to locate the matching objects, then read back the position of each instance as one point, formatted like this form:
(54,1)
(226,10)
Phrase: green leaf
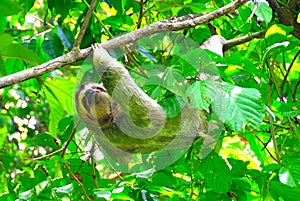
(290,175)
(119,6)
(59,93)
(164,178)
(216,173)
(158,93)
(63,6)
(20,52)
(276,49)
(277,33)
(26,195)
(284,191)
(201,94)
(27,4)
(65,189)
(238,106)
(45,140)
(52,45)
(103,194)
(5,40)
(65,127)
(3,22)
(6,161)
(121,196)
(9,7)
(239,167)
(174,81)
(264,12)
(16,51)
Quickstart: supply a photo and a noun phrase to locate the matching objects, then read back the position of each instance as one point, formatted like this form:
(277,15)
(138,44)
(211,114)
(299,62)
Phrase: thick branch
(172,24)
(44,68)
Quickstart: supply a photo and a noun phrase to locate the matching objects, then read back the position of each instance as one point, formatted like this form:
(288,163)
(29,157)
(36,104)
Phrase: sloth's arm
(143,111)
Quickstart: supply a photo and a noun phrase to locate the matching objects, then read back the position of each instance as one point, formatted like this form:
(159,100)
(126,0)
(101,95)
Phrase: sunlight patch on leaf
(65,189)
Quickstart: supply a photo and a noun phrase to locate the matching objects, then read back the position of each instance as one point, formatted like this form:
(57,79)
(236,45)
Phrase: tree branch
(287,13)
(237,41)
(172,24)
(84,25)
(44,68)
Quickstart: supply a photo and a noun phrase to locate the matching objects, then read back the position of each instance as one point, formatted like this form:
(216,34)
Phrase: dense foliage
(255,155)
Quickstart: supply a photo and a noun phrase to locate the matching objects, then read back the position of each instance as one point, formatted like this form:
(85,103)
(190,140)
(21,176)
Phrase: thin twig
(62,149)
(272,126)
(70,138)
(265,147)
(295,91)
(79,182)
(141,14)
(287,73)
(105,158)
(94,173)
(85,24)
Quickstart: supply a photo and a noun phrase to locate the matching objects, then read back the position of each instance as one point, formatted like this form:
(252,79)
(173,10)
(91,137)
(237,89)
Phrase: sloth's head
(94,105)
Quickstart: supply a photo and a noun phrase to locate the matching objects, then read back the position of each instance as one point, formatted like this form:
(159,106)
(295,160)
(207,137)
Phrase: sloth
(123,115)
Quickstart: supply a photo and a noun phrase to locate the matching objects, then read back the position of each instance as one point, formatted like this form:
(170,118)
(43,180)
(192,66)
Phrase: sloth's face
(94,105)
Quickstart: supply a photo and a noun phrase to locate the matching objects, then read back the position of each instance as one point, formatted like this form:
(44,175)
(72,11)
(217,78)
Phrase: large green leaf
(9,7)
(20,52)
(5,40)
(52,45)
(216,173)
(16,51)
(201,94)
(290,175)
(59,93)
(174,81)
(262,10)
(238,106)
(63,6)
(284,191)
